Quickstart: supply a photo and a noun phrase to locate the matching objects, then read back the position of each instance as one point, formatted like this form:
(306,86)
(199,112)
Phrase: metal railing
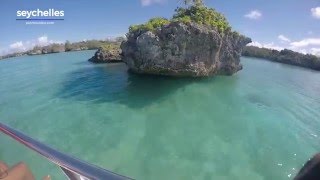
(72,167)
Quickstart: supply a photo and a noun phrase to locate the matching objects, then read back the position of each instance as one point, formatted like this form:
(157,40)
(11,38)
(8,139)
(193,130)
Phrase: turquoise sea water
(261,123)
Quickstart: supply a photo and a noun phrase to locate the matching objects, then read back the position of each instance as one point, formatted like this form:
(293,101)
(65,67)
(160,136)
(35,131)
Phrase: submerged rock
(184,49)
(110,55)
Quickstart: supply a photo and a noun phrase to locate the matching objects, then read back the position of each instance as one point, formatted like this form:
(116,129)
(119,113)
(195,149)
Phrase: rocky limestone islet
(107,56)
(184,49)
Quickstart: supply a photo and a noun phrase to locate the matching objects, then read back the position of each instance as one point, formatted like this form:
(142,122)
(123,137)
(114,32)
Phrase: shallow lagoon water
(261,123)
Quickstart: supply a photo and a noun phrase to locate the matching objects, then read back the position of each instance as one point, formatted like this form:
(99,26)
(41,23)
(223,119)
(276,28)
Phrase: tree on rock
(67,46)
(197,41)
(194,2)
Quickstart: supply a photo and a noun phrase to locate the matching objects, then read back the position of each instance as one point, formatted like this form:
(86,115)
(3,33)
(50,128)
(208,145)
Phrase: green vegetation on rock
(107,53)
(111,46)
(151,25)
(202,15)
(196,12)
(196,42)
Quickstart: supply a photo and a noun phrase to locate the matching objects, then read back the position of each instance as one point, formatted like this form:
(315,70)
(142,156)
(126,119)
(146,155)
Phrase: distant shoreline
(284,56)
(66,47)
(23,55)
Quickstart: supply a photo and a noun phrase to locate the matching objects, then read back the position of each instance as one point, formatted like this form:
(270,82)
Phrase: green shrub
(110,46)
(151,25)
(197,12)
(202,15)
(184,19)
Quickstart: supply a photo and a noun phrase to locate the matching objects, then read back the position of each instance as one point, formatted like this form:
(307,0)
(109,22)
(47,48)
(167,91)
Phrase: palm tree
(194,2)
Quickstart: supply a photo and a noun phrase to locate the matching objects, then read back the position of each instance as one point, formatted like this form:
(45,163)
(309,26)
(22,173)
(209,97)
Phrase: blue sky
(278,24)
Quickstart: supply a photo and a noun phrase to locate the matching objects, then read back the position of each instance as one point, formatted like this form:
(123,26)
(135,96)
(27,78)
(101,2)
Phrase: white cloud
(149,2)
(17,46)
(283,38)
(315,12)
(306,42)
(255,43)
(255,14)
(303,51)
(315,51)
(305,46)
(43,40)
(267,45)
(21,46)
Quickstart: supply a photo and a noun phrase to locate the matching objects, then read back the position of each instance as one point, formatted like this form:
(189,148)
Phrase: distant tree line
(285,56)
(68,46)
